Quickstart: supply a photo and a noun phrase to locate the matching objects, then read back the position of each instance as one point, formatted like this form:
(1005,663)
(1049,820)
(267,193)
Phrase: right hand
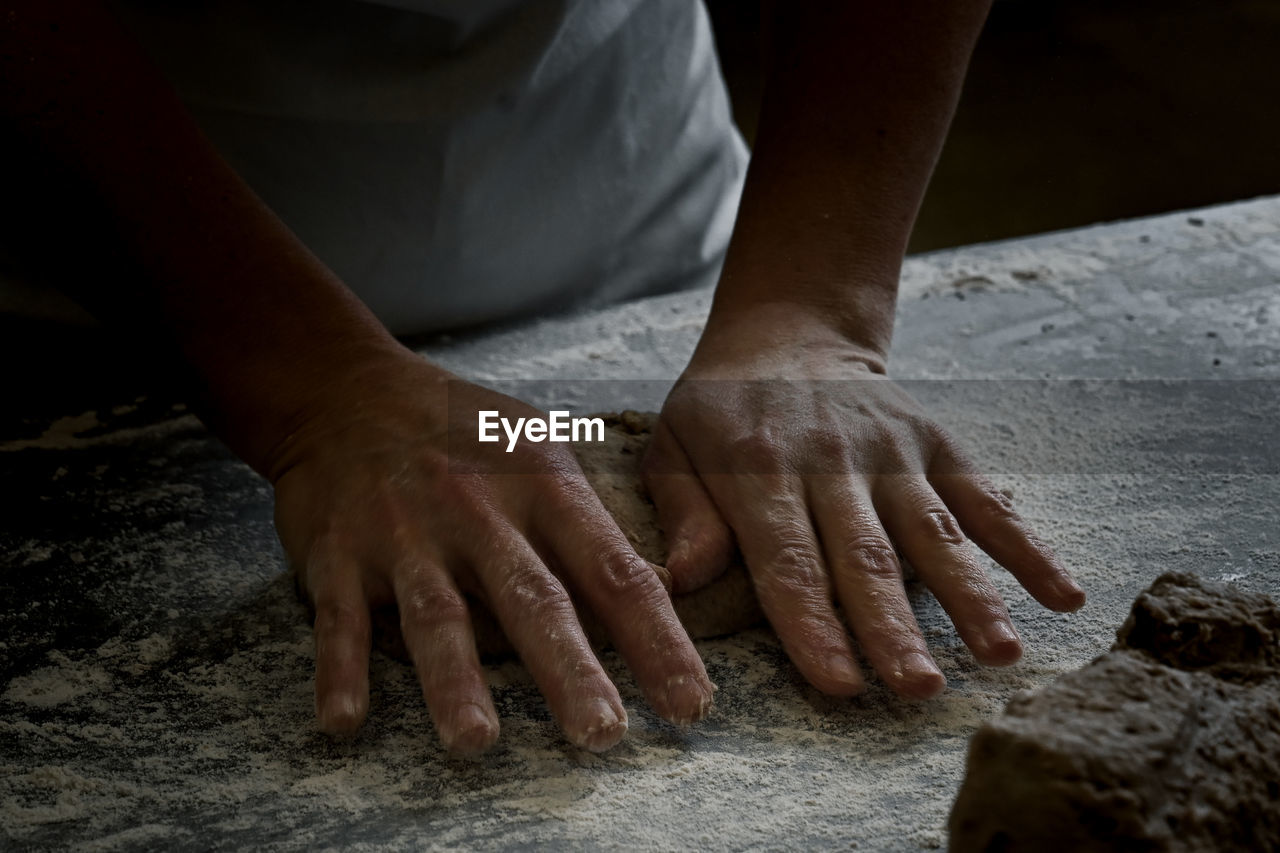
(785,437)
(374,506)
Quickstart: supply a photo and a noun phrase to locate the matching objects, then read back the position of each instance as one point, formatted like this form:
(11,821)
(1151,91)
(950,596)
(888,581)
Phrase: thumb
(700,545)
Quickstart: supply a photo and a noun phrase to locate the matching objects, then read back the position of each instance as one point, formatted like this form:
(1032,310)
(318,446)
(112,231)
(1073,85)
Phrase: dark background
(1083,111)
(1074,112)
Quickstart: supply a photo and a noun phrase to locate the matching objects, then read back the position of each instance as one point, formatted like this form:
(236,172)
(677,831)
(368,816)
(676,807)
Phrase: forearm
(259,319)
(857,105)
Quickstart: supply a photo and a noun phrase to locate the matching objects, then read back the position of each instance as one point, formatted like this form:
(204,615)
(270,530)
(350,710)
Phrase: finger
(437,632)
(537,616)
(927,534)
(868,582)
(628,597)
(771,523)
(988,518)
(342,636)
(699,543)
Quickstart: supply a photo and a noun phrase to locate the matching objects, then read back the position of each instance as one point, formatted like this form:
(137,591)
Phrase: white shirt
(465,161)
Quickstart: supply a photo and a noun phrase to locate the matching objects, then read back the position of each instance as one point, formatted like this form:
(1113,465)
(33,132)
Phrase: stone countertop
(155,666)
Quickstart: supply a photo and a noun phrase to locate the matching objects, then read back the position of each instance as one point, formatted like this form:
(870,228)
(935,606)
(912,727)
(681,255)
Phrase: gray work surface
(155,666)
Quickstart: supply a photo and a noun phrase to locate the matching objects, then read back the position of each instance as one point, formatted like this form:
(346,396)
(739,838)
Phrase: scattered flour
(54,685)
(184,716)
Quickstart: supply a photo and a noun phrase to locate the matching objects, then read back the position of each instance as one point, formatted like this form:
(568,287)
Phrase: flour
(204,721)
(157,684)
(234,735)
(57,684)
(69,433)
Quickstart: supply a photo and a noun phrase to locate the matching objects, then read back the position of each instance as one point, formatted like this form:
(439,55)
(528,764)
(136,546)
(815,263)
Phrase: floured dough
(1170,742)
(612,467)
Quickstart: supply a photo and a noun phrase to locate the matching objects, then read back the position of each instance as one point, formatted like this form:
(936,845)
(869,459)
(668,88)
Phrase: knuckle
(942,525)
(795,567)
(425,606)
(533,591)
(623,575)
(873,556)
(995,506)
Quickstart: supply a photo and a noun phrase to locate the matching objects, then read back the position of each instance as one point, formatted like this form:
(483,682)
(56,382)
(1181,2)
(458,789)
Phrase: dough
(1169,742)
(725,606)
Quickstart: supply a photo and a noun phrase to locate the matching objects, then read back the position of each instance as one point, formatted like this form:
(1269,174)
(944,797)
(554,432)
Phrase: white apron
(463,161)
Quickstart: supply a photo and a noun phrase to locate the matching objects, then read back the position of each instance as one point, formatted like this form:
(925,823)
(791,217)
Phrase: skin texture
(822,481)
(351,429)
(350,499)
(810,457)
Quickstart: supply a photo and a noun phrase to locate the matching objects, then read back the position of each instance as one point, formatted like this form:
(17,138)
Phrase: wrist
(782,334)
(290,402)
(856,305)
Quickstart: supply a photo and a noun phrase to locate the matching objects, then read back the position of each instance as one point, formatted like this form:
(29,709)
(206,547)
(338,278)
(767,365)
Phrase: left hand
(787,437)
(384,498)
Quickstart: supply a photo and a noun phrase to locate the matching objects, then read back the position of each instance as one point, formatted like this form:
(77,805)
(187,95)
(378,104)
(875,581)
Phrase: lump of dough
(1169,742)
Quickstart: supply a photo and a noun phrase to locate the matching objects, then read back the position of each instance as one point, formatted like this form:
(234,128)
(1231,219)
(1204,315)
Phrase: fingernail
(1070,591)
(925,677)
(918,664)
(339,714)
(687,701)
(1003,632)
(472,731)
(604,726)
(1002,642)
(841,669)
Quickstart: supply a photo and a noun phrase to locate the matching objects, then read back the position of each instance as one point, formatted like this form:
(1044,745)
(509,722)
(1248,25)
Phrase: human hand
(786,437)
(380,499)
